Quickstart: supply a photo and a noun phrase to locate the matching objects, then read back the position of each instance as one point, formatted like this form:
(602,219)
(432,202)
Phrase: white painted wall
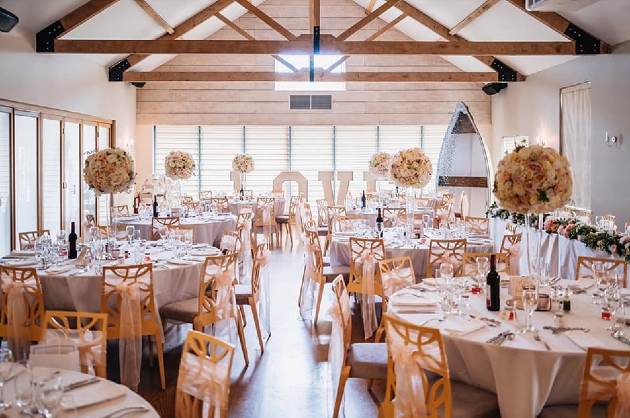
(66,82)
(533,108)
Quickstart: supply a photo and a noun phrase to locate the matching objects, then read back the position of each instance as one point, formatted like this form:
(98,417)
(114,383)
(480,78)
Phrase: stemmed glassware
(530,302)
(483,267)
(48,398)
(163,231)
(598,273)
(130,229)
(6,369)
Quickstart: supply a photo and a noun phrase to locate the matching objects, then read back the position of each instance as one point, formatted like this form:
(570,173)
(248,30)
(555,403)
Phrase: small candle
(606,314)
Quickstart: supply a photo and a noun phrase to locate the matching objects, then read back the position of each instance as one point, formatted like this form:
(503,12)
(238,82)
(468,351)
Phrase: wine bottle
(135,205)
(242,193)
(397,194)
(493,286)
(379,222)
(72,240)
(363,200)
(155,207)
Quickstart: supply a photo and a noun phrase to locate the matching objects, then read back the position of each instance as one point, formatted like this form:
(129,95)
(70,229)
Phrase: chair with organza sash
(365,278)
(221,204)
(244,230)
(333,214)
(250,294)
(203,381)
(418,378)
(586,266)
(315,276)
(605,388)
(478,226)
(22,308)
(470,263)
(396,274)
(265,221)
(128,299)
(230,242)
(162,222)
(511,245)
(442,214)
(446,251)
(119,210)
(27,239)
(86,330)
(511,227)
(347,359)
(180,232)
(205,194)
(394,216)
(215,304)
(288,220)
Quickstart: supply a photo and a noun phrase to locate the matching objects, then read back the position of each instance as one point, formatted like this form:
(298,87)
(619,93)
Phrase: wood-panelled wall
(257,103)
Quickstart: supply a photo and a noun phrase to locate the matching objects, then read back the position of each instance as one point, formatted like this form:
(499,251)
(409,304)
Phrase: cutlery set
(558,330)
(538,338)
(501,337)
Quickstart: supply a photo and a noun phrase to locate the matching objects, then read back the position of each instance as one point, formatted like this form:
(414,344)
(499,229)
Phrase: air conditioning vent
(310,102)
(558,5)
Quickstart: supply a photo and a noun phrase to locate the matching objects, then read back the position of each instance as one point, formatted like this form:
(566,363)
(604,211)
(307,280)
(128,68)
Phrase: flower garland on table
(411,168)
(243,163)
(179,165)
(109,171)
(533,179)
(380,164)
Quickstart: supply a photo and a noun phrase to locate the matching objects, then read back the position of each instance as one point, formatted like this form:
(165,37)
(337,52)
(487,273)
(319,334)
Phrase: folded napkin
(429,281)
(205,253)
(582,284)
(457,325)
(180,262)
(102,391)
(412,303)
(584,340)
(24,263)
(59,269)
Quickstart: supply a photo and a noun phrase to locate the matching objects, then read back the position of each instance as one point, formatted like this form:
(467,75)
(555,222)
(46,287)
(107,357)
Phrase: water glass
(24,385)
(446,271)
(618,318)
(48,396)
(598,273)
(130,229)
(530,302)
(6,370)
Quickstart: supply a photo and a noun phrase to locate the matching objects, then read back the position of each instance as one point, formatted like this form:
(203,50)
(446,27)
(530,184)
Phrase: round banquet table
(236,205)
(418,251)
(207,231)
(523,373)
(94,400)
(370,214)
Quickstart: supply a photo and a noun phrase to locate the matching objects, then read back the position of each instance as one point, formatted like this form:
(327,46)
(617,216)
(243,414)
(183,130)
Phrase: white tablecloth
(236,205)
(370,215)
(523,373)
(206,232)
(419,253)
(91,392)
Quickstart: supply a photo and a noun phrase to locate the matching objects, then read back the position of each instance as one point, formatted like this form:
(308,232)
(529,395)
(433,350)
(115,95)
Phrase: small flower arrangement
(179,165)
(411,168)
(380,164)
(109,171)
(533,179)
(243,163)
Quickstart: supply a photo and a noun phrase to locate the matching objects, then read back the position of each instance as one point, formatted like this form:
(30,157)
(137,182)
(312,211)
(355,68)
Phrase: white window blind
(355,145)
(269,147)
(312,151)
(219,145)
(51,182)
(178,138)
(432,139)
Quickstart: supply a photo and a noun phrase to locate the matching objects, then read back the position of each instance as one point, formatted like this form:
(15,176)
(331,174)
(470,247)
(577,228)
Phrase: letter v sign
(327,177)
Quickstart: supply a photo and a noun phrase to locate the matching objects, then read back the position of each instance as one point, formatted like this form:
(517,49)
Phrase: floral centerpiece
(533,179)
(179,165)
(380,164)
(243,163)
(109,171)
(411,168)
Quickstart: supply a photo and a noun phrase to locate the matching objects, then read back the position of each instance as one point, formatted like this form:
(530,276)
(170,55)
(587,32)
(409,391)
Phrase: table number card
(516,286)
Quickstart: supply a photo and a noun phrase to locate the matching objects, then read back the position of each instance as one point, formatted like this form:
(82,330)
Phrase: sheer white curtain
(576,139)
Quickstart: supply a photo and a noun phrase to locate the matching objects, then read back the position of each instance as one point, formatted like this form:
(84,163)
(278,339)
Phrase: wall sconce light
(611,141)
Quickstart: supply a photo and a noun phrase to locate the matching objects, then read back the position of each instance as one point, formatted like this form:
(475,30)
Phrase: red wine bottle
(379,222)
(72,240)
(493,286)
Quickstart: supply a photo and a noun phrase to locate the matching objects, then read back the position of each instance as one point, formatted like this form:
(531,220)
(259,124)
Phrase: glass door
(25,172)
(72,174)
(51,174)
(89,147)
(5,182)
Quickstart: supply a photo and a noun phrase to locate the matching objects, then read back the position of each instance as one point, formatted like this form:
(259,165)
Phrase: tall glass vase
(243,185)
(533,242)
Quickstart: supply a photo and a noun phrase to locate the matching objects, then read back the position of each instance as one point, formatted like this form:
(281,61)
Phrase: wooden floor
(291,379)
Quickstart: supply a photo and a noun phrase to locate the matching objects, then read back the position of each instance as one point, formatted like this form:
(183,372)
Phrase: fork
(537,338)
(126,411)
(432,319)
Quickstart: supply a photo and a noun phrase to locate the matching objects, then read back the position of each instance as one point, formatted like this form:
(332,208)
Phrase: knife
(621,338)
(81,383)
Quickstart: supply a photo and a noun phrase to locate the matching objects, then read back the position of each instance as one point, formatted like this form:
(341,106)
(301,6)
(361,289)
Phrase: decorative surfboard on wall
(464,165)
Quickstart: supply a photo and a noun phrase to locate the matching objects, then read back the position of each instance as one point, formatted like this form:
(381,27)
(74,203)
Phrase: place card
(516,285)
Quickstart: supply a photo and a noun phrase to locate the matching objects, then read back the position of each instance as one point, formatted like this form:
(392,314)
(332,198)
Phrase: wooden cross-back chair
(333,214)
(396,274)
(159,222)
(585,265)
(249,294)
(480,226)
(74,327)
(509,240)
(180,230)
(442,214)
(322,212)
(119,210)
(221,203)
(440,396)
(393,216)
(446,250)
(359,246)
(205,194)
(470,262)
(511,227)
(27,239)
(141,277)
(265,220)
(206,362)
(21,288)
(288,220)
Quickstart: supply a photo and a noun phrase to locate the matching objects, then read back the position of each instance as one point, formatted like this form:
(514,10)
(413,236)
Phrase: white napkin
(429,281)
(456,325)
(410,303)
(59,269)
(24,263)
(102,391)
(206,252)
(582,284)
(180,262)
(584,340)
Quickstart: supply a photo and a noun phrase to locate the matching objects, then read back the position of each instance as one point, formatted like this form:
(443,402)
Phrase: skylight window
(301,62)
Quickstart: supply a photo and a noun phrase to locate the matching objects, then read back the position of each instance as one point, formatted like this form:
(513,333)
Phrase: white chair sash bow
(307,302)
(396,280)
(265,299)
(17,317)
(206,381)
(88,344)
(130,334)
(368,310)
(410,401)
(337,346)
(514,253)
(623,395)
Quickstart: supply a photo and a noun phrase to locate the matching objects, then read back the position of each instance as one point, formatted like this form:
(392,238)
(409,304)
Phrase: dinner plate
(206,252)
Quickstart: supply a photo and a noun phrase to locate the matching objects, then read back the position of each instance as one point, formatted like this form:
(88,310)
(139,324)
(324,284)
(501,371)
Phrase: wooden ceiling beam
(473,16)
(304,45)
(150,11)
(370,7)
(363,77)
(427,21)
(267,19)
(367,19)
(44,40)
(315,13)
(585,43)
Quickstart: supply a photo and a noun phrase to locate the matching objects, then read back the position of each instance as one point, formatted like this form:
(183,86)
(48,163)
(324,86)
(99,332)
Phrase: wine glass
(130,229)
(598,220)
(598,274)
(48,397)
(6,369)
(530,302)
(446,271)
(483,267)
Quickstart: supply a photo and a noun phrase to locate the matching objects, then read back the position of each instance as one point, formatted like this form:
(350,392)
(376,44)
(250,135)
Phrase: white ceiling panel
(468,64)
(447,12)
(35,15)
(606,19)
(504,22)
(176,12)
(533,64)
(416,31)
